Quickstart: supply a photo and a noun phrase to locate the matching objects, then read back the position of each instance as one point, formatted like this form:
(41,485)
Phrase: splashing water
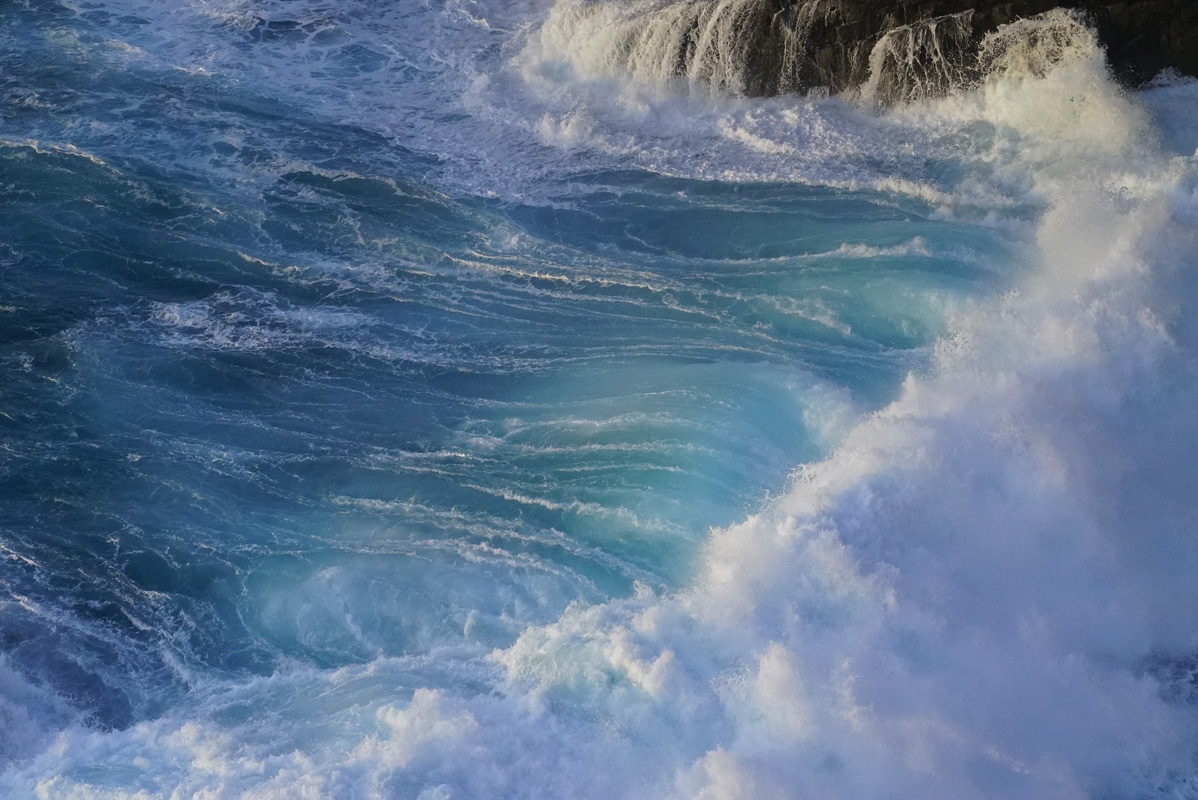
(393,412)
(921,60)
(741,47)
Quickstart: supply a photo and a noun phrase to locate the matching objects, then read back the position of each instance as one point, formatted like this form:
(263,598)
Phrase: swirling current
(452,399)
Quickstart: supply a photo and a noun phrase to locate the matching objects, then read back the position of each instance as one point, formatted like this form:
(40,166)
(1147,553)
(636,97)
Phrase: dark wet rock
(890,50)
(1142,37)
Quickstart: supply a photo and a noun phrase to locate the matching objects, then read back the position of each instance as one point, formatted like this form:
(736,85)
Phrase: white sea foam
(985,591)
(705,45)
(974,595)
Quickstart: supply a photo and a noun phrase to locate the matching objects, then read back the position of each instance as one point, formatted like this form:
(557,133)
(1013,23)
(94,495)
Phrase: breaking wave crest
(985,590)
(742,47)
(755,47)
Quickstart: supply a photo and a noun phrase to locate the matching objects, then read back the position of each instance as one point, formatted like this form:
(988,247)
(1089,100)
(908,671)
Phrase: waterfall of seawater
(741,47)
(921,60)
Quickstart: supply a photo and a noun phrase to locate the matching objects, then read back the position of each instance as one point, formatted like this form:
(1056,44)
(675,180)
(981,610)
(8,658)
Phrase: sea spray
(743,47)
(929,58)
(984,589)
(752,48)
(969,597)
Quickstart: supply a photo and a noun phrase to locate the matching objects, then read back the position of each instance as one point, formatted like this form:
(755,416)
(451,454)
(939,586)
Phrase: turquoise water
(382,400)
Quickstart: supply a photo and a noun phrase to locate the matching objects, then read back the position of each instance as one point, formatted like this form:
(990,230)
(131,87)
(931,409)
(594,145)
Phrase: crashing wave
(767,47)
(741,47)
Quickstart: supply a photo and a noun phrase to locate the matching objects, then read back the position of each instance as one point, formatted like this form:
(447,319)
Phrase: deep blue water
(344,348)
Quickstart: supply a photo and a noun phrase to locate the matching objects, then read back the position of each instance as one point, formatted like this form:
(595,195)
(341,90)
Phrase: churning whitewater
(472,399)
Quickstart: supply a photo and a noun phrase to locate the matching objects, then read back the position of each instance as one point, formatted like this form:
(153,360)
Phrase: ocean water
(449,399)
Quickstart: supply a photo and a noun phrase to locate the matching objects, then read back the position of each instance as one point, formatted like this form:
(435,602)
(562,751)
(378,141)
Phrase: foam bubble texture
(983,589)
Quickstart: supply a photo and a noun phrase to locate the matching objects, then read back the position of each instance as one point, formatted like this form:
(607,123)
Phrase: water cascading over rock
(744,47)
(923,59)
(892,51)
